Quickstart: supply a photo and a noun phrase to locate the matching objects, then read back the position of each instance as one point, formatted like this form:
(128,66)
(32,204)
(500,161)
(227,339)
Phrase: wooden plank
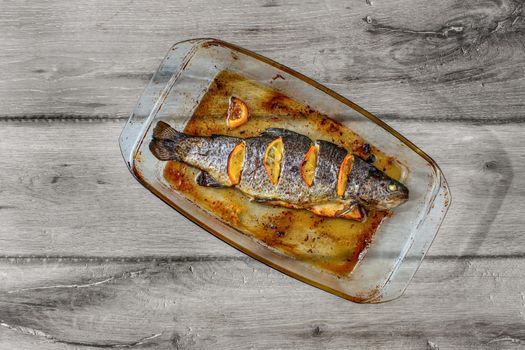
(189,304)
(448,60)
(65,191)
(62,192)
(126,271)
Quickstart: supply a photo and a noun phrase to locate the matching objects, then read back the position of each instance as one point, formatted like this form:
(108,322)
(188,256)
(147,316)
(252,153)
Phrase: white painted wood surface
(90,259)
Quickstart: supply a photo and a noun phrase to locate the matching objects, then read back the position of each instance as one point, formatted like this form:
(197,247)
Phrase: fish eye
(392,187)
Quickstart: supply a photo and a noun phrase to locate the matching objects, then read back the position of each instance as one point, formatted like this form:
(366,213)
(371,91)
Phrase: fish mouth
(395,200)
(393,203)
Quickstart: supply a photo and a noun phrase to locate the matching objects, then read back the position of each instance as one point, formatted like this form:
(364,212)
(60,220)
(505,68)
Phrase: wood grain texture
(89,259)
(93,58)
(69,193)
(189,305)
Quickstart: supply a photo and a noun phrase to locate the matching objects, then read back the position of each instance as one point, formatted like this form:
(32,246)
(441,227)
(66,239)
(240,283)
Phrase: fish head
(389,193)
(378,190)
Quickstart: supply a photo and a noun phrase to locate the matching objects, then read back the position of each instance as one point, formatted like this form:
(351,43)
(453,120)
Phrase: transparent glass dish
(399,245)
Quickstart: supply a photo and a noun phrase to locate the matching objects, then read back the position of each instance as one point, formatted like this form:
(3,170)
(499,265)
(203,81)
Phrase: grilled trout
(284,168)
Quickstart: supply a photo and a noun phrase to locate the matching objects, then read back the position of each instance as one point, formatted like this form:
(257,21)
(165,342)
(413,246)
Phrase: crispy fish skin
(209,154)
(329,160)
(290,187)
(254,179)
(366,185)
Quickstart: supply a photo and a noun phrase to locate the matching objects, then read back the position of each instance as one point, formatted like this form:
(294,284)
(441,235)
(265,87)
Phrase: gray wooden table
(90,259)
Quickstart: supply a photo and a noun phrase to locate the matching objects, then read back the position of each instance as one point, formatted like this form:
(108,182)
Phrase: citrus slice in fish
(308,165)
(273,158)
(237,113)
(236,163)
(344,170)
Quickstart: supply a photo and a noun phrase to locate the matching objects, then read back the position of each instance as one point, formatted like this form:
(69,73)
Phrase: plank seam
(126,259)
(211,258)
(462,120)
(62,118)
(80,118)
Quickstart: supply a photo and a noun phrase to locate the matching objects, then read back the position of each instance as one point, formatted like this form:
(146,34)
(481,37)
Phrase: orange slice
(236,163)
(273,158)
(344,170)
(308,165)
(237,113)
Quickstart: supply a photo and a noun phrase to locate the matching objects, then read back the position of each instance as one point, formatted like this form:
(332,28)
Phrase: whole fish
(276,174)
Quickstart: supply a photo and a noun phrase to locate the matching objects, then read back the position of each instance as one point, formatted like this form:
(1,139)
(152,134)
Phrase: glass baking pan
(182,92)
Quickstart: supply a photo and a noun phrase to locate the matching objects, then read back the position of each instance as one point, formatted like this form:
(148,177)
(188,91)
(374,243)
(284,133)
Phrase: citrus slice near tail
(273,158)
(236,163)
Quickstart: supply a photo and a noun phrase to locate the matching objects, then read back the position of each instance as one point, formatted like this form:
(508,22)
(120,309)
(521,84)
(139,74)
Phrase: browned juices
(333,245)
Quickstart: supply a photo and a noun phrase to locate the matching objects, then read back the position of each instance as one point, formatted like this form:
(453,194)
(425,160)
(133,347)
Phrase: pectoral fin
(275,202)
(205,179)
(339,210)
(356,212)
(351,211)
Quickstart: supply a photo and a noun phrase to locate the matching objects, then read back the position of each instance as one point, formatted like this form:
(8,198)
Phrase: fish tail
(164,141)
